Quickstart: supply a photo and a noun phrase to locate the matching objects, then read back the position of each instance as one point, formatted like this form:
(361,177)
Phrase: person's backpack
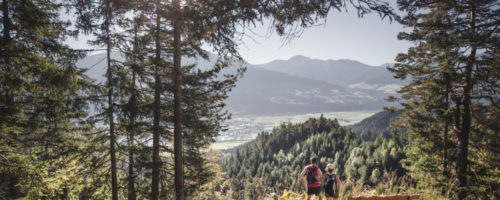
(310,175)
(331,185)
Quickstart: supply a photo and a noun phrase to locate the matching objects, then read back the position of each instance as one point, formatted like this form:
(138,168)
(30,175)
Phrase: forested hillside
(273,162)
(376,125)
(271,165)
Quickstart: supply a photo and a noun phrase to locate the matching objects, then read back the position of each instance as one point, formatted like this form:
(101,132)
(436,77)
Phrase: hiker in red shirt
(313,178)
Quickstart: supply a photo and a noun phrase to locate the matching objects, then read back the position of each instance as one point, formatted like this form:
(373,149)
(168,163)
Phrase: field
(242,129)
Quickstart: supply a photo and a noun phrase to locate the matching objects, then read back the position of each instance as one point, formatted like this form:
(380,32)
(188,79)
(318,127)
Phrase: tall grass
(388,185)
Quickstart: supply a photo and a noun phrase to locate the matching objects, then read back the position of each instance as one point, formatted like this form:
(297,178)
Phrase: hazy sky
(369,40)
(344,36)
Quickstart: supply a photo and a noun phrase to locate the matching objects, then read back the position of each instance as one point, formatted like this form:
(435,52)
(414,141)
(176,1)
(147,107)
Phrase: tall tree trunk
(463,137)
(131,187)
(445,133)
(114,182)
(178,157)
(155,180)
(132,126)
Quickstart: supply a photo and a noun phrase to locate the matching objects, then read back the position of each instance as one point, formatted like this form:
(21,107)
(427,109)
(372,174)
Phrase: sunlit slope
(276,159)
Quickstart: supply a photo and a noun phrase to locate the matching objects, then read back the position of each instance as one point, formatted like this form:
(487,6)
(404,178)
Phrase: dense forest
(273,162)
(145,132)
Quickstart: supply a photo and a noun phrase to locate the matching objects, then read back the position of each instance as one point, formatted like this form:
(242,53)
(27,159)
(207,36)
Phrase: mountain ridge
(261,91)
(343,72)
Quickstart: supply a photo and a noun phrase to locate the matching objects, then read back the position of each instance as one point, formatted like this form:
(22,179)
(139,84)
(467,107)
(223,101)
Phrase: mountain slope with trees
(377,125)
(380,121)
(380,163)
(273,162)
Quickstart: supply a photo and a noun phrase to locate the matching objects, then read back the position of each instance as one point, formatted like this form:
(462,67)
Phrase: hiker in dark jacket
(333,185)
(313,178)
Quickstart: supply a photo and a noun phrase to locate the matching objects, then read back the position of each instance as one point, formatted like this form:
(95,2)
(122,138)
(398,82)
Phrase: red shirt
(316,184)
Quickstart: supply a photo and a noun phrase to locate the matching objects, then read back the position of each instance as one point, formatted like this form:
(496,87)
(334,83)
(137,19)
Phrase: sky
(370,40)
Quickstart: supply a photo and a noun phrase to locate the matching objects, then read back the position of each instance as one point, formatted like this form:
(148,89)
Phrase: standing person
(333,185)
(313,178)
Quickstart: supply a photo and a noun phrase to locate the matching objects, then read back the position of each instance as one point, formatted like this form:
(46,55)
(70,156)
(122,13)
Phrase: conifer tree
(177,83)
(446,65)
(42,99)
(100,18)
(158,90)
(132,101)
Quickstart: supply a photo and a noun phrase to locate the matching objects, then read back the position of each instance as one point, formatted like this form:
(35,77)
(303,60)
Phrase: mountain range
(294,86)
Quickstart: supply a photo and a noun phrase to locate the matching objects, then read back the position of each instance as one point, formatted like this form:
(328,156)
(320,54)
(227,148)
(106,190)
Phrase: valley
(242,129)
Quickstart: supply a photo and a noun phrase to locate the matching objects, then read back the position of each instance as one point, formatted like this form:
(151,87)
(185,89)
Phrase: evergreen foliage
(454,92)
(51,148)
(43,95)
(273,162)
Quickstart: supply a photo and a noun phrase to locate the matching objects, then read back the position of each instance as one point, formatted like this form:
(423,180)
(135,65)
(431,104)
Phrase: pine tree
(100,18)
(158,68)
(443,71)
(177,82)
(132,104)
(42,99)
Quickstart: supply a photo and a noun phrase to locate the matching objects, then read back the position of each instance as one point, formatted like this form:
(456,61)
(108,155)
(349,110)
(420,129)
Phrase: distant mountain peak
(299,57)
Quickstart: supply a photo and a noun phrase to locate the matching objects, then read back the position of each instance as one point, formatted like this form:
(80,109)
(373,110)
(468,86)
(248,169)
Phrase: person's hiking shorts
(313,190)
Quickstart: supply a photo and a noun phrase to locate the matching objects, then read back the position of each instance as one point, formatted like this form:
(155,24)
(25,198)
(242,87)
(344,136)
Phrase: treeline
(273,162)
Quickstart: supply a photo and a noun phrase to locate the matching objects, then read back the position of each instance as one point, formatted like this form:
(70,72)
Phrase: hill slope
(380,121)
(347,73)
(377,125)
(275,160)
